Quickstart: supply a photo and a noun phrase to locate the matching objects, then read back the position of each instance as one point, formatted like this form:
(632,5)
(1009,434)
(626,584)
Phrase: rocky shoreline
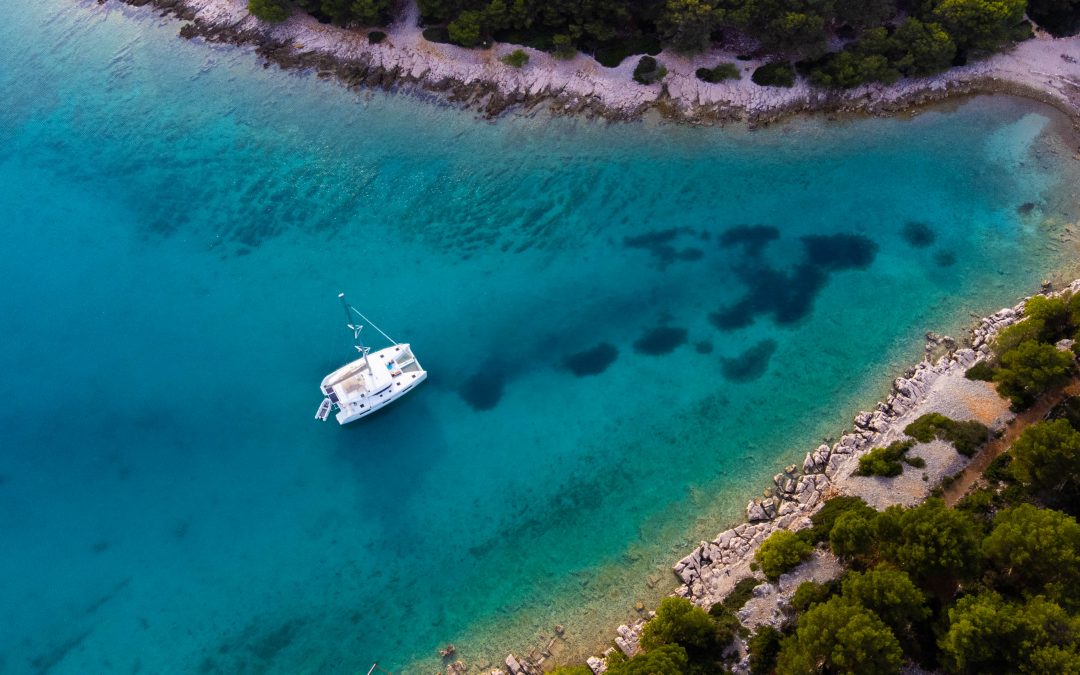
(1044,69)
(713,568)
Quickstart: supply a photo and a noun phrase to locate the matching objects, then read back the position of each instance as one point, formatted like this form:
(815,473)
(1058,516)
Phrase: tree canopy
(782,551)
(888,593)
(1037,550)
(931,542)
(838,636)
(1046,456)
(662,660)
(1030,369)
(272,11)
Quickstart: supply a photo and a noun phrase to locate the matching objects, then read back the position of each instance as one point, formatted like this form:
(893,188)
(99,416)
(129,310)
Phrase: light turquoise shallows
(176,224)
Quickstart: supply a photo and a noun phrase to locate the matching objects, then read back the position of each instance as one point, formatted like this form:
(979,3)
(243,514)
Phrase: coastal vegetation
(782,551)
(272,11)
(649,70)
(1035,354)
(947,589)
(516,59)
(966,436)
(719,73)
(991,585)
(879,40)
(774,74)
(885,461)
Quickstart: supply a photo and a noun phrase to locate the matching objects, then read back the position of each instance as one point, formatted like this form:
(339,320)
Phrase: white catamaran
(371,381)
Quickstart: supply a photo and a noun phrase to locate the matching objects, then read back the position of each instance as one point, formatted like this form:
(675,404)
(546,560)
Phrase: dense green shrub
(853,536)
(826,516)
(613,52)
(662,660)
(1000,470)
(764,647)
(864,13)
(376,36)
(718,73)
(1011,337)
(1052,314)
(983,371)
(978,502)
(884,461)
(564,49)
(937,546)
(516,59)
(890,594)
(810,593)
(917,462)
(467,29)
(933,34)
(1058,17)
(851,68)
(1046,457)
(1069,410)
(1036,550)
(986,634)
(1030,369)
(966,436)
(739,595)
(774,74)
(649,70)
(343,12)
(438,34)
(273,11)
(922,48)
(838,636)
(978,24)
(680,622)
(782,551)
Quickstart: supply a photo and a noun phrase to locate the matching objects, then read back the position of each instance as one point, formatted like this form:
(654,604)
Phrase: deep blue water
(628,329)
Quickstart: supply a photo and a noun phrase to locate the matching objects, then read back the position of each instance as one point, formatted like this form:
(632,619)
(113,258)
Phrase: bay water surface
(629,329)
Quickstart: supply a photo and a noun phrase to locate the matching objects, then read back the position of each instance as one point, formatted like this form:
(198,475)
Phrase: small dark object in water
(919,235)
(703,347)
(750,364)
(1026,208)
(483,391)
(592,361)
(100,546)
(944,258)
(660,340)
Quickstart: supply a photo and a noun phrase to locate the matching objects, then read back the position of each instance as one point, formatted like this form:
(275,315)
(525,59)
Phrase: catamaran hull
(370,383)
(343,418)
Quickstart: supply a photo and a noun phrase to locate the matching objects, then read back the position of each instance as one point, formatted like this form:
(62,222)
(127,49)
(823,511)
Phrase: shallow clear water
(177,222)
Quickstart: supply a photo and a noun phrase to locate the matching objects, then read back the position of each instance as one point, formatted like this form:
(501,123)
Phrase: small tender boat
(372,381)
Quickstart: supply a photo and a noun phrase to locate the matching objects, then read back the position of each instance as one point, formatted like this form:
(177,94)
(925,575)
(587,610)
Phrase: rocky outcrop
(711,570)
(477,80)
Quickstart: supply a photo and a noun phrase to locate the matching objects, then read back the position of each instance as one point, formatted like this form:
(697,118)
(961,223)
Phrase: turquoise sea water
(176,223)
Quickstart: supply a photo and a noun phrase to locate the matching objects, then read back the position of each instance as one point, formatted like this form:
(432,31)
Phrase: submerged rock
(660,340)
(592,361)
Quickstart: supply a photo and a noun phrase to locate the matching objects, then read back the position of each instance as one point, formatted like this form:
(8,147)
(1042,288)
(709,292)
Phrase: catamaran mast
(355,328)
